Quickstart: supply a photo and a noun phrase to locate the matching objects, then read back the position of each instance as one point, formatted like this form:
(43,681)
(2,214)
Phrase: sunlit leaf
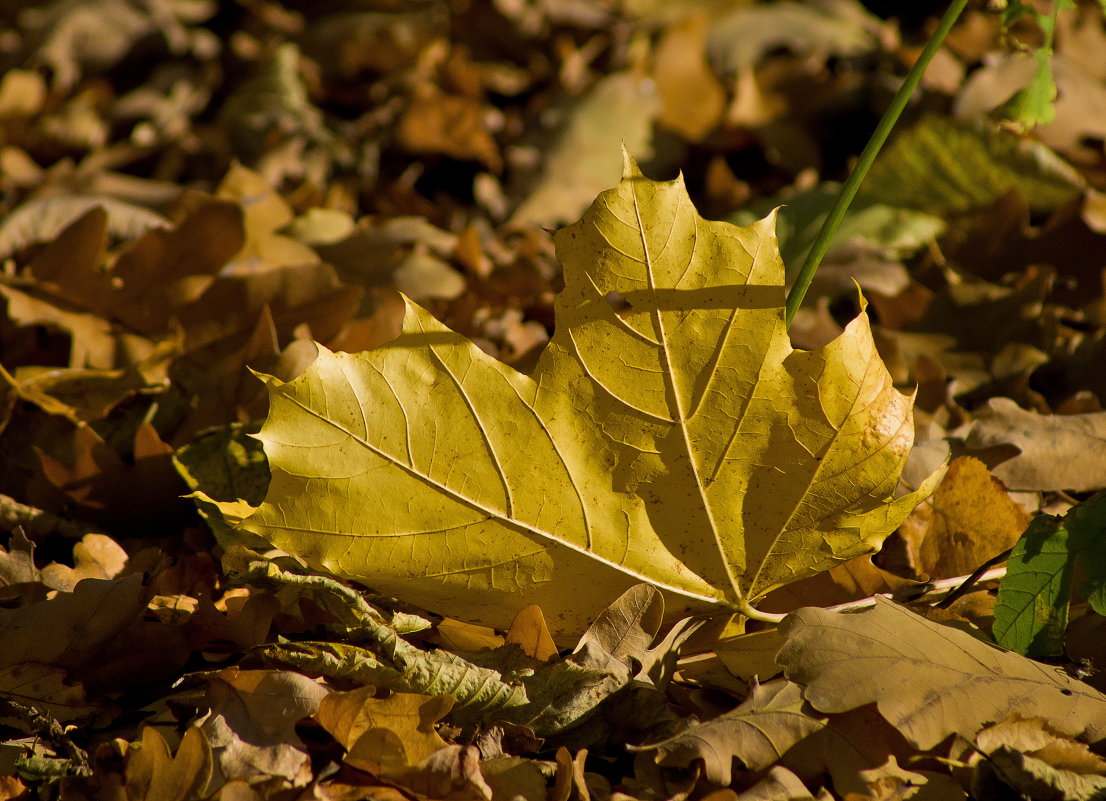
(669,434)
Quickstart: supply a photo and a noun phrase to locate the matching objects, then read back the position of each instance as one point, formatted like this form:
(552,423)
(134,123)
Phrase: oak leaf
(760,731)
(926,679)
(668,434)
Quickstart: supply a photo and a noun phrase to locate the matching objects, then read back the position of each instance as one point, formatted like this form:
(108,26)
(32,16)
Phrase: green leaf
(945,166)
(1031,612)
(1053,556)
(669,434)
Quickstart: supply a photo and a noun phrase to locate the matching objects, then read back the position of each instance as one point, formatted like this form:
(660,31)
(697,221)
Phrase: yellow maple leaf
(669,434)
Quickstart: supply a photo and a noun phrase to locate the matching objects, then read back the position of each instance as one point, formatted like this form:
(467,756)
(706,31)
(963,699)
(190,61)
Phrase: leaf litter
(190,195)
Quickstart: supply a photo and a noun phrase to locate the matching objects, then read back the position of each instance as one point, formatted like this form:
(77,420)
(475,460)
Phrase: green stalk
(864,163)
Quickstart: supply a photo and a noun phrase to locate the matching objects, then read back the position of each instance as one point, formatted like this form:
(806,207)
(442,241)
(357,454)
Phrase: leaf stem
(867,157)
(753,613)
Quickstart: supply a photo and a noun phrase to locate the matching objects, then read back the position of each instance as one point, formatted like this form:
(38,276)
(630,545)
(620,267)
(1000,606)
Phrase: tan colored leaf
(866,758)
(760,731)
(264,213)
(778,784)
(582,161)
(928,680)
(17,562)
(1030,451)
(96,556)
(251,724)
(1033,738)
(669,434)
(751,656)
(1008,769)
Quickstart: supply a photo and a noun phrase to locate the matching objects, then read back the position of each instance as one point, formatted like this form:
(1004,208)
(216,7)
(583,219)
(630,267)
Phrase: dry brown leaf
(866,757)
(529,632)
(1030,451)
(251,725)
(760,731)
(751,656)
(48,643)
(452,125)
(100,486)
(1033,738)
(451,773)
(778,784)
(153,773)
(928,680)
(168,268)
(973,519)
(17,562)
(692,98)
(384,736)
(95,556)
(395,738)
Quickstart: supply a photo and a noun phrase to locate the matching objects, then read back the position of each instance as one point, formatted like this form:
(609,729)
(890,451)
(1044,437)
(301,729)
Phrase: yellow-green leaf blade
(428,469)
(758,464)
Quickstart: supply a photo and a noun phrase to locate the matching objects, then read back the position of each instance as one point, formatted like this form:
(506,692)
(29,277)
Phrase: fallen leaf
(682,442)
(742,37)
(757,733)
(918,169)
(973,520)
(96,556)
(454,125)
(250,724)
(778,784)
(863,755)
(153,773)
(692,98)
(529,632)
(384,735)
(1008,769)
(926,679)
(581,162)
(17,562)
(1033,738)
(1030,451)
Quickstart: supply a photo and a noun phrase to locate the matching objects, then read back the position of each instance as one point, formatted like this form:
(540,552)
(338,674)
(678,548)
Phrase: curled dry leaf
(668,434)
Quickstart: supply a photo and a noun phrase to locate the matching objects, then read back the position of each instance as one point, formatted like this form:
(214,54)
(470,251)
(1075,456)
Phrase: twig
(975,578)
(935,589)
